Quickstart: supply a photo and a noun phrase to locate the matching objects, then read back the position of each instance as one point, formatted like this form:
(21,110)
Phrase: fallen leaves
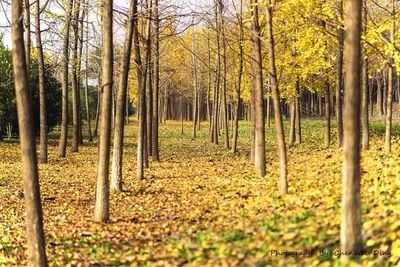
(203,205)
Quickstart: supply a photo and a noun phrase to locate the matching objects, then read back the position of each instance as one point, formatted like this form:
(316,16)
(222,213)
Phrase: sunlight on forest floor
(203,205)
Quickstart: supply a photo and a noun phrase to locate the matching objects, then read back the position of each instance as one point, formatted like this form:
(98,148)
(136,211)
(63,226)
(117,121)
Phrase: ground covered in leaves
(203,205)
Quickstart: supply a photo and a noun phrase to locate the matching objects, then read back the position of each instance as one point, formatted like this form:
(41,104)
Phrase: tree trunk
(75,89)
(194,117)
(64,84)
(364,94)
(256,65)
(34,218)
(339,82)
(239,84)
(89,128)
(283,187)
(102,189)
(379,96)
(298,115)
(224,93)
(155,150)
(390,82)
(42,89)
(141,74)
(27,29)
(292,135)
(350,229)
(327,136)
(118,148)
(217,81)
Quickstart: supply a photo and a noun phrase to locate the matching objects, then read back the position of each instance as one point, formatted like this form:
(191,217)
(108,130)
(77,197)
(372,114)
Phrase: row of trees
(236,59)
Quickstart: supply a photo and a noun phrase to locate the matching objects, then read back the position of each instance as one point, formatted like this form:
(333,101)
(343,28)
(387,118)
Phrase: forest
(199,133)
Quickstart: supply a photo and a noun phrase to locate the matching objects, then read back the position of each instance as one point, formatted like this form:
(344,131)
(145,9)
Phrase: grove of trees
(268,83)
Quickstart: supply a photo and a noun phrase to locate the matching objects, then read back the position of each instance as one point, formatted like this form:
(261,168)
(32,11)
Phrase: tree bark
(194,69)
(379,96)
(89,128)
(256,65)
(224,93)
(292,135)
(390,82)
(75,93)
(217,81)
(42,89)
(141,74)
(298,115)
(118,147)
(155,149)
(350,229)
(327,136)
(102,188)
(64,84)
(364,93)
(283,187)
(239,83)
(339,82)
(34,218)
(27,39)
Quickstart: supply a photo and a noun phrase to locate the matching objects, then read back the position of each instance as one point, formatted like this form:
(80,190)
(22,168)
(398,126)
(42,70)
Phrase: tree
(64,113)
(350,229)
(339,82)
(42,90)
(155,150)
(141,76)
(34,217)
(239,82)
(277,104)
(364,91)
(258,94)
(102,190)
(390,82)
(75,81)
(116,176)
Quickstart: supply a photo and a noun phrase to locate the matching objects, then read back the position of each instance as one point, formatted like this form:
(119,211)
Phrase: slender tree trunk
(42,89)
(239,84)
(292,135)
(298,115)
(350,229)
(155,150)
(96,125)
(256,65)
(149,95)
(339,83)
(379,100)
(64,84)
(141,74)
(364,93)
(75,93)
(89,128)
(283,187)
(118,148)
(224,93)
(209,116)
(327,136)
(102,189)
(79,69)
(217,80)
(34,219)
(194,117)
(268,111)
(27,28)
(390,82)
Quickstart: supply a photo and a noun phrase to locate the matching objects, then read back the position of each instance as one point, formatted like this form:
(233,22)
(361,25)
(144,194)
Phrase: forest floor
(203,205)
